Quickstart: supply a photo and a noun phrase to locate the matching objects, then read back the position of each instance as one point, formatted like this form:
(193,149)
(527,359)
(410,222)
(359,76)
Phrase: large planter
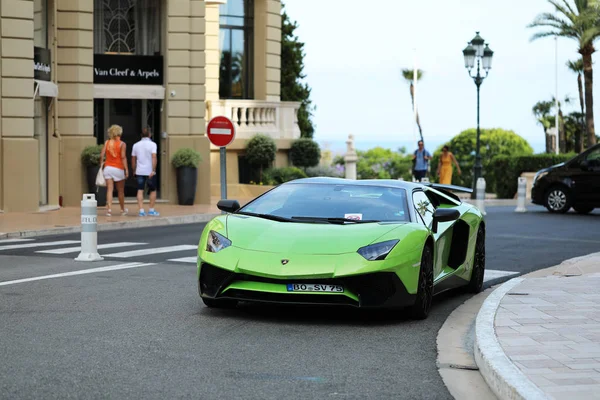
(100,192)
(187,180)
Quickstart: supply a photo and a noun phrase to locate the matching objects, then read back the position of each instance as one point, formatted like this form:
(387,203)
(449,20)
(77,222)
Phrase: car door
(587,180)
(425,208)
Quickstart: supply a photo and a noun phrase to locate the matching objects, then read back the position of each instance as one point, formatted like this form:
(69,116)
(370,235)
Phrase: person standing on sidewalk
(115,169)
(143,161)
(421,157)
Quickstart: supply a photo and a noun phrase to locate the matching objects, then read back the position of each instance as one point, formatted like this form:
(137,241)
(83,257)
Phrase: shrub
(277,176)
(186,157)
(330,171)
(505,170)
(260,152)
(380,163)
(90,156)
(305,153)
(494,142)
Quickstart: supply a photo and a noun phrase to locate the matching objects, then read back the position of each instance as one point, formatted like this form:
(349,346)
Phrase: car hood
(259,234)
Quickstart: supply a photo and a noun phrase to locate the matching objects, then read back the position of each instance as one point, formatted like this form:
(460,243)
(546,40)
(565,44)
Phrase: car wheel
(219,303)
(476,283)
(420,310)
(583,209)
(558,200)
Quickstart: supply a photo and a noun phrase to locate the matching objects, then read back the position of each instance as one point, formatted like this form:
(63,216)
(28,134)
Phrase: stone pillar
(213,54)
(350,158)
(267,55)
(19,157)
(75,61)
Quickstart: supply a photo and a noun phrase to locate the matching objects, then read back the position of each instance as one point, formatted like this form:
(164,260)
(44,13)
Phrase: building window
(237,46)
(127,27)
(40,23)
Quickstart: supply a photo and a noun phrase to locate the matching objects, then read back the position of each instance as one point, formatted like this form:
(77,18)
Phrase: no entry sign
(220,131)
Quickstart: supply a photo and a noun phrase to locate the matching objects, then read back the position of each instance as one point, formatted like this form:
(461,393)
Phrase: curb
(502,376)
(111,226)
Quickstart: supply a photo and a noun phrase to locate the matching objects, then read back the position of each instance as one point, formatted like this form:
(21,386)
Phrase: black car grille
(372,289)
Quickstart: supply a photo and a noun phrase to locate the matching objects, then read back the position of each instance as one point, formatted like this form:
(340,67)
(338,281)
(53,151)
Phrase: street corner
(536,335)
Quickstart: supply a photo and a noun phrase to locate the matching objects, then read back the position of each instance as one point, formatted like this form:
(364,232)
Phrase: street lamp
(476,51)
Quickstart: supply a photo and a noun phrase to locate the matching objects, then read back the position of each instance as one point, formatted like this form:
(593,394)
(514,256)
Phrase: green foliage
(186,157)
(380,163)
(277,176)
(292,66)
(494,142)
(90,156)
(329,171)
(305,153)
(507,169)
(260,151)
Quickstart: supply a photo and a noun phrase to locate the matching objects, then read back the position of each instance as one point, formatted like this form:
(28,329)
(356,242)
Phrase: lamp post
(476,51)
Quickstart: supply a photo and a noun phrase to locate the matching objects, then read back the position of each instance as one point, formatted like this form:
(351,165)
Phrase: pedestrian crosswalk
(136,251)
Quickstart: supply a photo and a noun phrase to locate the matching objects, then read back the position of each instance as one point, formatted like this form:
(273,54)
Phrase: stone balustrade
(279,120)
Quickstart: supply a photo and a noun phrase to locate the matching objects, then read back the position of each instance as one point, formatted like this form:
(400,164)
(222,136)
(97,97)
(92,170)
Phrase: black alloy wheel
(420,310)
(476,283)
(558,199)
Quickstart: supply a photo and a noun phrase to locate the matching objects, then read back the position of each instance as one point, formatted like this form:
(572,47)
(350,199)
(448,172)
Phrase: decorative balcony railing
(278,120)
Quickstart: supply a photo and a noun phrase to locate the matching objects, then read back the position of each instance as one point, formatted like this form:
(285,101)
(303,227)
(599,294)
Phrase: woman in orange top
(115,169)
(445,166)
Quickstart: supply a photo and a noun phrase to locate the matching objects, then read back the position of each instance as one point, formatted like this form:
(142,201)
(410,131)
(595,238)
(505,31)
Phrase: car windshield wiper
(335,220)
(266,216)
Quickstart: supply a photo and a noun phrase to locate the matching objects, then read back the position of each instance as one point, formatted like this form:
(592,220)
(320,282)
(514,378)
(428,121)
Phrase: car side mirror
(444,215)
(229,206)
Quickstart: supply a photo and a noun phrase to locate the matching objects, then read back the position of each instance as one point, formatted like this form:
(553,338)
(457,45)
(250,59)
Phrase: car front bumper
(373,290)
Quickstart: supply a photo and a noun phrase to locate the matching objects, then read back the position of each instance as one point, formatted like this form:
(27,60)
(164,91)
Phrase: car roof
(391,183)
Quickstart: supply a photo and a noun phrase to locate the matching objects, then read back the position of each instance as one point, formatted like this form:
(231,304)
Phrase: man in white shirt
(143,161)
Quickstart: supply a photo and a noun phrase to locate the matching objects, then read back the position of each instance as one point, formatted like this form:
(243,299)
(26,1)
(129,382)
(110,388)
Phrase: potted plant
(90,158)
(186,162)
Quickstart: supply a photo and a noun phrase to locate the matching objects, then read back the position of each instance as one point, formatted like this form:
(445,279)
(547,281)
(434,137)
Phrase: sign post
(221,132)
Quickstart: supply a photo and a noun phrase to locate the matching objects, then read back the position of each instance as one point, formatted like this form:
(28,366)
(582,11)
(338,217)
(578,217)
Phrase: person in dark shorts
(421,159)
(143,161)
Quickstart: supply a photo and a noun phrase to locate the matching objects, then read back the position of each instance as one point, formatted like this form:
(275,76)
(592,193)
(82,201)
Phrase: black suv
(575,183)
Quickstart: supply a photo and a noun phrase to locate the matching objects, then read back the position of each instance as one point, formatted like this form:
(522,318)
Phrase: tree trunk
(549,141)
(562,136)
(412,97)
(589,96)
(579,136)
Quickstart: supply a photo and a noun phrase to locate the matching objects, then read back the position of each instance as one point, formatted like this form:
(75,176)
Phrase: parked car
(575,183)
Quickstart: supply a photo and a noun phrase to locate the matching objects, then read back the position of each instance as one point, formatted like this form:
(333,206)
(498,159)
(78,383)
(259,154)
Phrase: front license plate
(313,287)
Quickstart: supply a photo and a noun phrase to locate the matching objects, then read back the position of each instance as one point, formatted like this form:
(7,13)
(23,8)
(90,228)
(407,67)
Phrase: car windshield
(308,201)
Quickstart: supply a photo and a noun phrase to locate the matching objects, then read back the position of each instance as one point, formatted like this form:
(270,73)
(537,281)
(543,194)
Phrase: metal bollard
(480,195)
(521,195)
(425,180)
(401,179)
(89,234)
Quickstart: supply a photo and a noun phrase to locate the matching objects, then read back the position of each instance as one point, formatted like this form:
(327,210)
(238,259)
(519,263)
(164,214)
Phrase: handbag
(100,181)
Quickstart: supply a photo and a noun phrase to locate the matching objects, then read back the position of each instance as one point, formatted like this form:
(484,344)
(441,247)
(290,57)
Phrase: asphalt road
(142,332)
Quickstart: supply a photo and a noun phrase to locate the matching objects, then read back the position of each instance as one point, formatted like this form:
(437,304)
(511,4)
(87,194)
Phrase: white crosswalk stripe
(39,244)
(15,240)
(66,250)
(191,260)
(151,251)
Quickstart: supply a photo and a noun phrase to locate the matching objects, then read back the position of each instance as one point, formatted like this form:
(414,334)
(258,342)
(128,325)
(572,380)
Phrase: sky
(355,52)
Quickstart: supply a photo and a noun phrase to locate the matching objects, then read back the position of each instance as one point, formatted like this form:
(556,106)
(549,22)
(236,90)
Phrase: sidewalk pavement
(68,219)
(538,336)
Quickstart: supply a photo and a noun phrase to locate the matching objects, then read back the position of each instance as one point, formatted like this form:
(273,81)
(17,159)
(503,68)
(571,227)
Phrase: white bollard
(521,195)
(401,179)
(425,180)
(89,234)
(480,195)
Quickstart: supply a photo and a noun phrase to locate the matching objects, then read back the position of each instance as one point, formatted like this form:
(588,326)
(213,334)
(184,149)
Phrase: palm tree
(580,23)
(409,75)
(541,110)
(577,67)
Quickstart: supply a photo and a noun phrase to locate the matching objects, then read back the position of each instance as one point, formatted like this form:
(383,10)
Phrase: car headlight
(377,251)
(216,242)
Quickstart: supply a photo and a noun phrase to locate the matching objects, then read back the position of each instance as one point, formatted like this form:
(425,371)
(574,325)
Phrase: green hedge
(277,176)
(504,171)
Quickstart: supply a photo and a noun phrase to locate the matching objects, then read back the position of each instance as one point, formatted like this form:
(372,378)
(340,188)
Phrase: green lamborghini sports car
(330,241)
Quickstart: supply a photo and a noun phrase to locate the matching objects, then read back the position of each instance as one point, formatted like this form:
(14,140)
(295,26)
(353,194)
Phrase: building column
(75,60)
(19,150)
(185,110)
(267,53)
(213,53)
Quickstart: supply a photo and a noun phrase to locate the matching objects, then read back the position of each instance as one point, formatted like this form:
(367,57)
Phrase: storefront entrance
(132,115)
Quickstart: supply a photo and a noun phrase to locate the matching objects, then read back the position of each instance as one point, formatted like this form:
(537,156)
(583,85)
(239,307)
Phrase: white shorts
(113,173)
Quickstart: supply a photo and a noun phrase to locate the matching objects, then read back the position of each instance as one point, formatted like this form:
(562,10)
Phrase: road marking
(80,272)
(28,245)
(494,274)
(15,240)
(545,238)
(66,250)
(191,260)
(147,252)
